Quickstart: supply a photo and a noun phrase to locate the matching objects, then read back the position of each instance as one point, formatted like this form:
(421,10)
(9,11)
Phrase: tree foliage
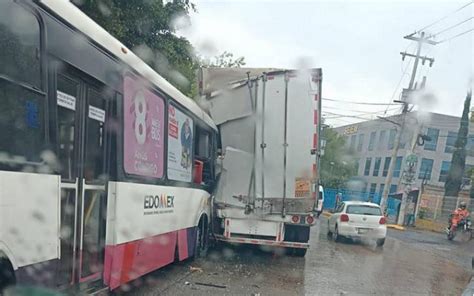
(337,165)
(458,162)
(224,60)
(148,27)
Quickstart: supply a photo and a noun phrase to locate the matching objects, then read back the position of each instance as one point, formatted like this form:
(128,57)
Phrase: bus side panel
(149,223)
(29,216)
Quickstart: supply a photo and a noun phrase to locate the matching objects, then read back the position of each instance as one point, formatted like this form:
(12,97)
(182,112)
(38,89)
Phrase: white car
(356,219)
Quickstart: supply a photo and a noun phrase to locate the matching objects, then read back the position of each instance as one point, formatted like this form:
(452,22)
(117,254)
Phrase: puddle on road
(359,268)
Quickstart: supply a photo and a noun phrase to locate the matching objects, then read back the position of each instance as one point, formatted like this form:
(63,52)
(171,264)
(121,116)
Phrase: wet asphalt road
(410,263)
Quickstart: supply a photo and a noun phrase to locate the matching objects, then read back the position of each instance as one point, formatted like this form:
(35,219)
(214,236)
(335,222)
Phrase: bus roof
(74,16)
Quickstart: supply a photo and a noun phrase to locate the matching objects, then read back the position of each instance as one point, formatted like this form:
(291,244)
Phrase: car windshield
(363,210)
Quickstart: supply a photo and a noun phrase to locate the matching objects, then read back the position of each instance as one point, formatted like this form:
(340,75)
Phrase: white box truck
(269,124)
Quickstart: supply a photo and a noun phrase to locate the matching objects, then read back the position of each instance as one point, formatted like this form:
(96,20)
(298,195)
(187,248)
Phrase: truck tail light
(309,220)
(295,219)
(344,218)
(382,220)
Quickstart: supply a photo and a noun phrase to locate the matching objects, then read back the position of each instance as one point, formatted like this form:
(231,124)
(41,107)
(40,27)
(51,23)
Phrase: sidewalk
(469,291)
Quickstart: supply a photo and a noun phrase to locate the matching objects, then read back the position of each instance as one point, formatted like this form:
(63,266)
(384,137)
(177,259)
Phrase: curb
(326,214)
(395,226)
(469,291)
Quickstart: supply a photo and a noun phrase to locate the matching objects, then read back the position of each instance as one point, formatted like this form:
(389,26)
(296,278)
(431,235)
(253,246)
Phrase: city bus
(106,169)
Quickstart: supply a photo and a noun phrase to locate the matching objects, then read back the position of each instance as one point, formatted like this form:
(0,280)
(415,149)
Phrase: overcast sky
(356,43)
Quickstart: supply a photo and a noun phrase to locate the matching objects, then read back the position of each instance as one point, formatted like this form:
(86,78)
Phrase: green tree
(148,28)
(224,60)
(337,165)
(458,162)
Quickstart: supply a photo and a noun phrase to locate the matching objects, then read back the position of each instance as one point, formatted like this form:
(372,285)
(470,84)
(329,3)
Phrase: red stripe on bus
(315,97)
(128,258)
(183,244)
(128,261)
(316,117)
(315,140)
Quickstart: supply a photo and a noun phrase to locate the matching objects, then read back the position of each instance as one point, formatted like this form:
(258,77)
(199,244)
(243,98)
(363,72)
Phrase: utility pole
(405,96)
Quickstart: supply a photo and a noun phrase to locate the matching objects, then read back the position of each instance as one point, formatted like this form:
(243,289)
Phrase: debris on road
(195,269)
(187,283)
(211,285)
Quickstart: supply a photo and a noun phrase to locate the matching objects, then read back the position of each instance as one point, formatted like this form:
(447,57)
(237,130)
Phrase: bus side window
(202,153)
(19,44)
(22,104)
(94,166)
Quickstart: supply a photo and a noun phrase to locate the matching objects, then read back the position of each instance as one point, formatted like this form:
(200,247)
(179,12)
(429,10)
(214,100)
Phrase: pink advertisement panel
(143,130)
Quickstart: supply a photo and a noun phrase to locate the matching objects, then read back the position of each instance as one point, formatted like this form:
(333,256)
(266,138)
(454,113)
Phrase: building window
(361,142)
(378,160)
(391,139)
(386,166)
(393,188)
(450,141)
(398,167)
(373,187)
(368,162)
(382,187)
(356,165)
(353,143)
(425,169)
(433,133)
(382,139)
(372,140)
(443,174)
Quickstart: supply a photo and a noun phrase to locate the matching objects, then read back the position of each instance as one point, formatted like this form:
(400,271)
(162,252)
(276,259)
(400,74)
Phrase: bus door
(81,116)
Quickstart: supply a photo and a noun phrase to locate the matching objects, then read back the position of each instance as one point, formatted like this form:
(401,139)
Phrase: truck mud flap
(297,234)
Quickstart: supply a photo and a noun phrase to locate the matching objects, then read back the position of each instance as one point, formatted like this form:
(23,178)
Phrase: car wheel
(380,242)
(329,231)
(336,236)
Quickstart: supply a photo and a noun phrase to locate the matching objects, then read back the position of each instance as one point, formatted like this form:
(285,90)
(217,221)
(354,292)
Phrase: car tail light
(295,219)
(344,218)
(382,220)
(309,220)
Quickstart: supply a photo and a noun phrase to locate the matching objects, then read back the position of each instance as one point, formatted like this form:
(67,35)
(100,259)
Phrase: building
(372,143)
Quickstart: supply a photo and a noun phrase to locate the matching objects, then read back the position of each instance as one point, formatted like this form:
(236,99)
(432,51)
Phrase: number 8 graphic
(140,118)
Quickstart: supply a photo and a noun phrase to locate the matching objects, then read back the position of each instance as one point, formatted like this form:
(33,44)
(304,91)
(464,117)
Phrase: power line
(455,36)
(398,85)
(357,103)
(453,26)
(358,111)
(445,17)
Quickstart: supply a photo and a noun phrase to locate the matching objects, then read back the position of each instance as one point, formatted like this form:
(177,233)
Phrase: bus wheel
(202,239)
(7,275)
